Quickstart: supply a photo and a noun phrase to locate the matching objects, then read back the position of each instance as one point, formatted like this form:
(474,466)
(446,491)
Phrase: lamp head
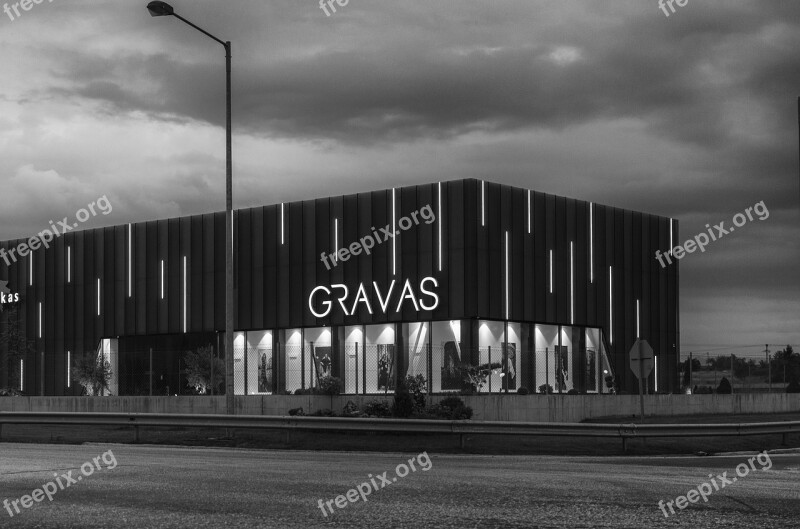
(160,9)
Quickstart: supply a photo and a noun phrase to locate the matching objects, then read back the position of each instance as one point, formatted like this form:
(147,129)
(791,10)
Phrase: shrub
(403,402)
(378,408)
(350,410)
(522,391)
(324,412)
(546,388)
(445,412)
(417,386)
(330,385)
(573,391)
(296,412)
(793,387)
(299,391)
(451,403)
(461,413)
(724,387)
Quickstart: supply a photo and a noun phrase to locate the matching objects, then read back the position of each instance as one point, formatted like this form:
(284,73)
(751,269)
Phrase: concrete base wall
(530,408)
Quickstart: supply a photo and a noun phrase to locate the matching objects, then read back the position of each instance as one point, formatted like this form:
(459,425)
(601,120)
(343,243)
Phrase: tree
(93,372)
(724,387)
(788,360)
(696,366)
(14,345)
(199,368)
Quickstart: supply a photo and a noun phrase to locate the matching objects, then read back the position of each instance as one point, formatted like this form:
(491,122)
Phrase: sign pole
(641,392)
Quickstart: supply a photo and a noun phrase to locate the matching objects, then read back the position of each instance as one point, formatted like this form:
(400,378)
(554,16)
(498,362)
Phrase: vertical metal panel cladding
(244,270)
(470,223)
(351,269)
(272,253)
(322,233)
(459,243)
(162,256)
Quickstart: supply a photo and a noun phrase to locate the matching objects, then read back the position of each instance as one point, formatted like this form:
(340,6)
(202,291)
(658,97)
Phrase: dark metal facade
(277,264)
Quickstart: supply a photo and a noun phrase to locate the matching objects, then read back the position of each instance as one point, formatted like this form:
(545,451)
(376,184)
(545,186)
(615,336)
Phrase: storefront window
(381,358)
(546,344)
(512,358)
(291,341)
(446,356)
(491,338)
(354,359)
(318,355)
(416,337)
(258,364)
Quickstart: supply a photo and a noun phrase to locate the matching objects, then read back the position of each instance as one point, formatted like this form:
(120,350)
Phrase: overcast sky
(692,116)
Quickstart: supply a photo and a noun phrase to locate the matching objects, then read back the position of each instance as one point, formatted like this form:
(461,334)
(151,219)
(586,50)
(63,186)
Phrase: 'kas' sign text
(340,293)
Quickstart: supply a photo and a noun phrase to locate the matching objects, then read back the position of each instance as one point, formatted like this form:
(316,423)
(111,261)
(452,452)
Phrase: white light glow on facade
(669,251)
(69,264)
(638,333)
(30,274)
(22,374)
(185,296)
(551,271)
(507,279)
(40,319)
(98,296)
(655,372)
(282,223)
(69,369)
(439,222)
(335,238)
(483,203)
(162,279)
(591,242)
(394,230)
(610,305)
(571,283)
(529,210)
(130,260)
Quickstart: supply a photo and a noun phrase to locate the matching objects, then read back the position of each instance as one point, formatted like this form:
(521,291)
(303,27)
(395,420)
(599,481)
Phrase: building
(537,289)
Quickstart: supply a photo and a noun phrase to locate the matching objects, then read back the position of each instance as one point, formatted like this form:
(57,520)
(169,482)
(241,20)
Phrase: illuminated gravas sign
(389,300)
(6,296)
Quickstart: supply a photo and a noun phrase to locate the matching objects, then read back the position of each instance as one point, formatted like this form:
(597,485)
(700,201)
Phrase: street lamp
(160,9)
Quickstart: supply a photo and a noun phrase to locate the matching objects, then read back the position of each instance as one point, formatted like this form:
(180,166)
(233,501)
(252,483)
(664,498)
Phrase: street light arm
(201,30)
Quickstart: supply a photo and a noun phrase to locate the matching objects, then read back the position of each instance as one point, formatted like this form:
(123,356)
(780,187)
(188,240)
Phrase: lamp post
(160,9)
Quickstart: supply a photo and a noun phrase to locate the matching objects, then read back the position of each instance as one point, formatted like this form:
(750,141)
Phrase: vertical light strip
(638,332)
(551,271)
(439,219)
(69,264)
(529,210)
(185,305)
(40,319)
(30,261)
(130,260)
(610,306)
(69,369)
(669,251)
(483,203)
(335,238)
(591,242)
(655,373)
(162,279)
(22,374)
(282,223)
(571,284)
(98,296)
(507,279)
(394,231)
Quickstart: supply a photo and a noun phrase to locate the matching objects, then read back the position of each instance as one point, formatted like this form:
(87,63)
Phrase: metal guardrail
(343,424)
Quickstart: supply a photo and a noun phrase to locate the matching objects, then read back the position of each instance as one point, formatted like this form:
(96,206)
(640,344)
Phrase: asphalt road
(157,487)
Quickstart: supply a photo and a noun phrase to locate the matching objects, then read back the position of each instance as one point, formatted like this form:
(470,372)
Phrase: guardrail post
(461,440)
(135,434)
